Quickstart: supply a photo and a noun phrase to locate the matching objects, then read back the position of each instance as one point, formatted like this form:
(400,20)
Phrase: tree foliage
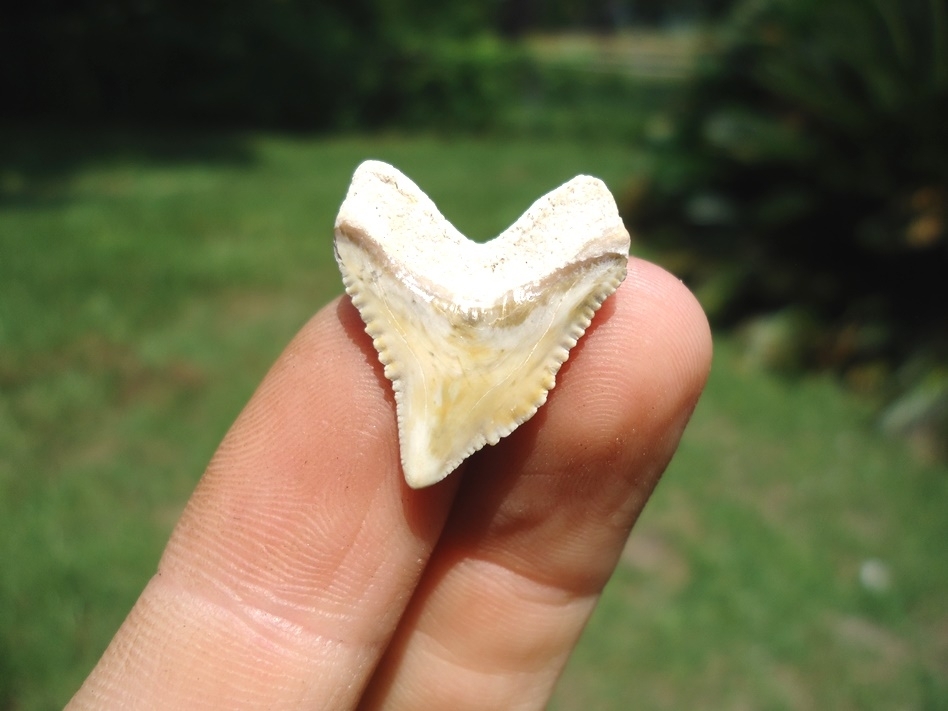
(284,63)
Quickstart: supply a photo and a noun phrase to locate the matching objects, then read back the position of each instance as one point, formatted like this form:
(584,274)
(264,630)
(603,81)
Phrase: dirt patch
(648,552)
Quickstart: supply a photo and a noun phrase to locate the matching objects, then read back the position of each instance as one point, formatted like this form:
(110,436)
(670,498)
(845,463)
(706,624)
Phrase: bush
(457,84)
(809,170)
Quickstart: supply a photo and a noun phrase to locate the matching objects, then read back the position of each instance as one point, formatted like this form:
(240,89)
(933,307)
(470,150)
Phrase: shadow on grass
(37,161)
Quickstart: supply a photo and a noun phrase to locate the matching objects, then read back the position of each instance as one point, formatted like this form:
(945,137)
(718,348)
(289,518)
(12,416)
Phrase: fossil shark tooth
(472,335)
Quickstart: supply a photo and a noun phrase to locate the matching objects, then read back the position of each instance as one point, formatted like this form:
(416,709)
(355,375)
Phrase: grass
(148,281)
(791,559)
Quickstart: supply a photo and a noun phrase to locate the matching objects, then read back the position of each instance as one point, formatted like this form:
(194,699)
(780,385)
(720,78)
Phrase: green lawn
(791,559)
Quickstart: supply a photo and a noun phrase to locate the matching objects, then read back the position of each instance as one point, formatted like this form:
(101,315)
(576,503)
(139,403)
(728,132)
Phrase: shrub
(809,170)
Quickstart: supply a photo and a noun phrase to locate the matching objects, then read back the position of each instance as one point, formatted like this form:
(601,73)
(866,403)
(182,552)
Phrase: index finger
(294,558)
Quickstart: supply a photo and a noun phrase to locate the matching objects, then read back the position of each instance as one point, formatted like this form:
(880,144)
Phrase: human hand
(304,573)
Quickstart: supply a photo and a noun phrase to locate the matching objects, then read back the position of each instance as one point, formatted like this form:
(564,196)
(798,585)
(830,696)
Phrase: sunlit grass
(148,281)
(790,559)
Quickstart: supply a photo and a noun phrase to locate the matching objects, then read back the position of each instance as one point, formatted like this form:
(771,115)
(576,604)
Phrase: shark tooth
(472,335)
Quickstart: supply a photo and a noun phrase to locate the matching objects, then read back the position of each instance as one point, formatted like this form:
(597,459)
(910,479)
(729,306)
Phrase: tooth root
(472,335)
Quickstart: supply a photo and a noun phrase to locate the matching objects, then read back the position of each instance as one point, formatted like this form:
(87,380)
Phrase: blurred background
(169,177)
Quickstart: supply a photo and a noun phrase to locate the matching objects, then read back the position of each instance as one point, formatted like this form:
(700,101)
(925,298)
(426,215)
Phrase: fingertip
(642,363)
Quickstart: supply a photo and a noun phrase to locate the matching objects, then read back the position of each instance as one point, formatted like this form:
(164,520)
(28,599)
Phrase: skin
(304,573)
